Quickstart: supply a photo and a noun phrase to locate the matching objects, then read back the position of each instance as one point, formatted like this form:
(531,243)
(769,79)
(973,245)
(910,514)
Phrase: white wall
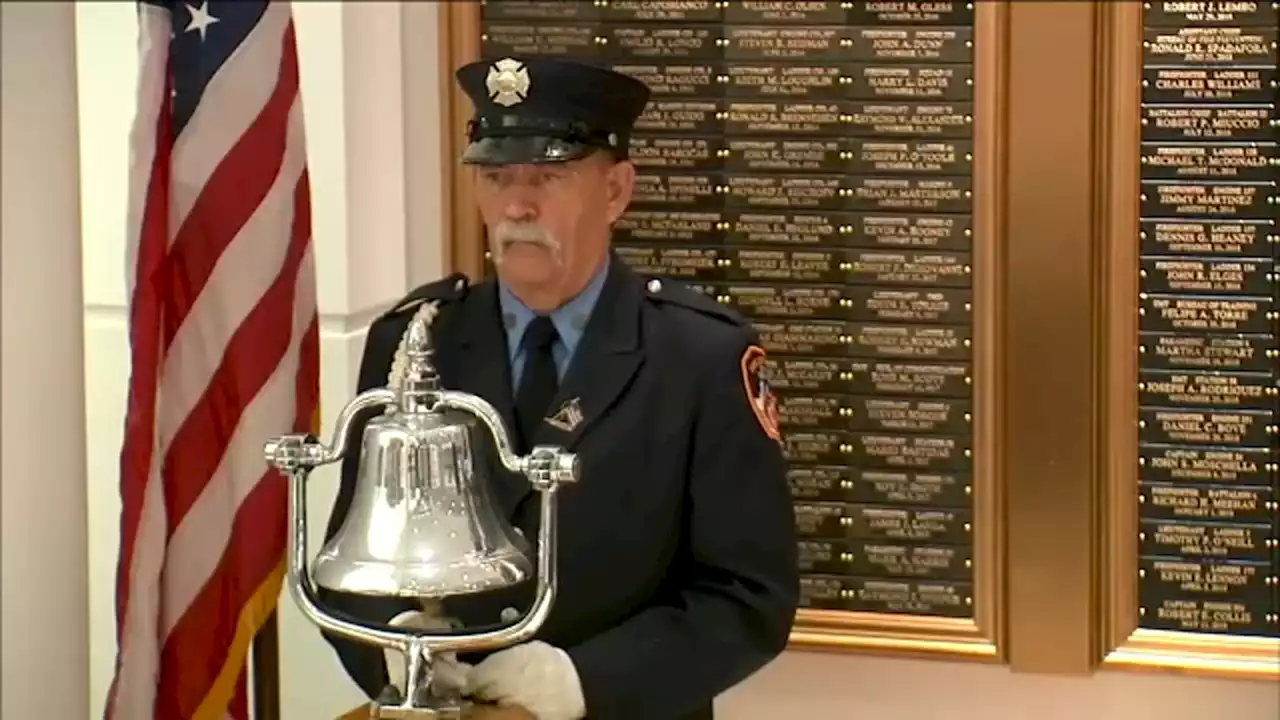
(362,147)
(43,614)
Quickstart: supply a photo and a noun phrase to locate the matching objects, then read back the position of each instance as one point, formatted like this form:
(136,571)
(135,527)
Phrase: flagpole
(266,670)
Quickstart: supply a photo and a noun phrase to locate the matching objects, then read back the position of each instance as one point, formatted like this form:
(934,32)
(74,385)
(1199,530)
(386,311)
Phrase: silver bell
(422,523)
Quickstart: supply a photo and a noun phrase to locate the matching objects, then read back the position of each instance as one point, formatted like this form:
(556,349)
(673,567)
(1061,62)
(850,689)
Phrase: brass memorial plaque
(1208,376)
(814,167)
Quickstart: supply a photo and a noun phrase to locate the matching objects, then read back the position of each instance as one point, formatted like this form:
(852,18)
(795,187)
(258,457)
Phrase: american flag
(224,351)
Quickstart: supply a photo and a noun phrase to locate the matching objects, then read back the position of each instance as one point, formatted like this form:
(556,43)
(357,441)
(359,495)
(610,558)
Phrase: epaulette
(676,293)
(447,289)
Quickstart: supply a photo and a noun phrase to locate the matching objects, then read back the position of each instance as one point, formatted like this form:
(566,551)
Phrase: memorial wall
(1208,358)
(832,171)
(1207,572)
(811,165)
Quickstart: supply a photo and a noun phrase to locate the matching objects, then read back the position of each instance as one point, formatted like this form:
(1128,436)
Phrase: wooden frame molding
(459,24)
(1124,645)
(1052,318)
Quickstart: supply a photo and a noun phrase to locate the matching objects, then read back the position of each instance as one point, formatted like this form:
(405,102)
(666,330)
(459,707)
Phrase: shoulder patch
(755,380)
(446,289)
(676,293)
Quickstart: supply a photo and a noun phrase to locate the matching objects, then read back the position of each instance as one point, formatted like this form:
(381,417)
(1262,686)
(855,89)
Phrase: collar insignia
(568,417)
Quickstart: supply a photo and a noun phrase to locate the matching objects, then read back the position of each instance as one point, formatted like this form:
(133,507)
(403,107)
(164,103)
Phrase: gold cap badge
(508,82)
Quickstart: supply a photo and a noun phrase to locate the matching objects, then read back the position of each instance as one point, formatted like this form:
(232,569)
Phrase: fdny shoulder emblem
(755,378)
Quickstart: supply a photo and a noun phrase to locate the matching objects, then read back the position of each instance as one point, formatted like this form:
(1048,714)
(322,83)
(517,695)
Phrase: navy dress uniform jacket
(677,558)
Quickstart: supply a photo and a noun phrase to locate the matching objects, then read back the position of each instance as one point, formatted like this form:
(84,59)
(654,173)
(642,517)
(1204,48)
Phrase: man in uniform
(677,555)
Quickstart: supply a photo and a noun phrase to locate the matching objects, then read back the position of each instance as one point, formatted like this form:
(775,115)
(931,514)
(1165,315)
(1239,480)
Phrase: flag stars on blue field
(203,36)
(200,20)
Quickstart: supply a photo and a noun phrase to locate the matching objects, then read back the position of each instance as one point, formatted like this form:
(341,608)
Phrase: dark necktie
(539,382)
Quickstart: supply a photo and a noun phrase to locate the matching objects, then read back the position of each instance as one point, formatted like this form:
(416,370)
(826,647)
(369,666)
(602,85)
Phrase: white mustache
(511,232)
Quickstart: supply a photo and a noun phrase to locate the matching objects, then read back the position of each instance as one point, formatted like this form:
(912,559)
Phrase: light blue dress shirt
(569,320)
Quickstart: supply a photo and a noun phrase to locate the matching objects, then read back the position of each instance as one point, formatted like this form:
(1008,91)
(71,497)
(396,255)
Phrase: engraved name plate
(692,263)
(691,190)
(932,453)
(1224,390)
(882,81)
(1231,466)
(1208,13)
(1170,351)
(816,12)
(1203,45)
(675,78)
(941,598)
(1206,541)
(879,487)
(1206,276)
(1208,84)
(921,268)
(657,152)
(780,42)
(885,558)
(778,80)
(934,120)
(693,228)
(631,43)
(909,194)
(1208,123)
(1234,238)
(1205,596)
(659,10)
(576,41)
(910,44)
(911,12)
(792,228)
(759,301)
(785,118)
(912,157)
(910,342)
(890,377)
(539,10)
(1192,426)
(938,305)
(1253,505)
(1182,313)
(938,232)
(1177,161)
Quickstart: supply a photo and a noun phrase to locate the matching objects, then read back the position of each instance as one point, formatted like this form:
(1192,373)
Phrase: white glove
(450,675)
(536,676)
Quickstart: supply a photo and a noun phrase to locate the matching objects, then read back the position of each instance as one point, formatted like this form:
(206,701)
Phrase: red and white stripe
(224,351)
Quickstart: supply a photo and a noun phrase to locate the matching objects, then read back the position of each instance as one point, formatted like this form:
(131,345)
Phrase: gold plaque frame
(978,638)
(1124,644)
